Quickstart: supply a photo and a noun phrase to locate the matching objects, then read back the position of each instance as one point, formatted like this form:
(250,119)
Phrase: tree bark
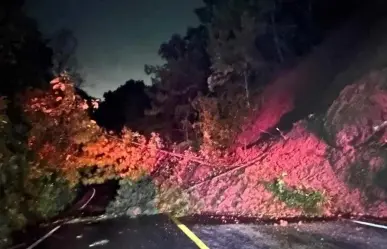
(275,36)
(247,92)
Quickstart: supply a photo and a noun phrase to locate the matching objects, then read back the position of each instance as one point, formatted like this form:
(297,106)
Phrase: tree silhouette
(64,45)
(177,82)
(25,58)
(124,107)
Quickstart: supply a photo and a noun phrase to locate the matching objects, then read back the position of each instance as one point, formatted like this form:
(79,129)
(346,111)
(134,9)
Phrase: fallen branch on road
(248,164)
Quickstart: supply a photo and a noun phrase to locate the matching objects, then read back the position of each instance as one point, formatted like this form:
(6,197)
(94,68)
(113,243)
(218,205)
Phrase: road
(195,232)
(160,232)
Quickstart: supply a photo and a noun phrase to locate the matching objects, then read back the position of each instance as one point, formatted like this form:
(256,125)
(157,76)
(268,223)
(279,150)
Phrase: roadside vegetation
(166,143)
(308,200)
(29,191)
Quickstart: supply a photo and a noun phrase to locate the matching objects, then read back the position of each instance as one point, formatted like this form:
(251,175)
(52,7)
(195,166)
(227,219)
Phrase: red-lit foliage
(227,182)
(278,99)
(305,160)
(59,125)
(65,138)
(351,172)
(130,156)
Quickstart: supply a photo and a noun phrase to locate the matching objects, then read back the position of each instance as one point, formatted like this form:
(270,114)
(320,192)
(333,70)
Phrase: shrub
(134,198)
(23,196)
(13,171)
(174,200)
(143,197)
(60,125)
(310,201)
(215,131)
(49,195)
(130,156)
(220,119)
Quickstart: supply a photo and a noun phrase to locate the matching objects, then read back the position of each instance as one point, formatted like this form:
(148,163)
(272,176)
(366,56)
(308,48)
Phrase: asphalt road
(160,232)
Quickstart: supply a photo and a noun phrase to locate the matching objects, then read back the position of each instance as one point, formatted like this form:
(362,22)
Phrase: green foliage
(309,201)
(97,175)
(22,198)
(59,125)
(233,31)
(218,122)
(178,82)
(134,198)
(13,170)
(5,230)
(174,201)
(143,197)
(235,57)
(48,195)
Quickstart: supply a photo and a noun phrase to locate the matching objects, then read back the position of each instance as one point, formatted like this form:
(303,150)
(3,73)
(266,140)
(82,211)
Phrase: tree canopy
(22,50)
(124,107)
(177,82)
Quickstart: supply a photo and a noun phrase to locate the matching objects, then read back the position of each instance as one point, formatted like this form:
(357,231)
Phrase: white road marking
(370,224)
(57,227)
(44,237)
(99,243)
(88,201)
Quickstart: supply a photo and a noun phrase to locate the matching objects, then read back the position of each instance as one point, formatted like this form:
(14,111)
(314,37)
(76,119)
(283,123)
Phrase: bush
(13,171)
(134,198)
(49,195)
(143,197)
(307,200)
(24,197)
(221,118)
(174,201)
(60,125)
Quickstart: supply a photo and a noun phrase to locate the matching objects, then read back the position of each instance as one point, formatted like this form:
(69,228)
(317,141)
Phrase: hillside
(266,109)
(331,112)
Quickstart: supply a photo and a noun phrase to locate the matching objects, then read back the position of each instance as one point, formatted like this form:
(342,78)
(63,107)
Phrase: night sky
(116,37)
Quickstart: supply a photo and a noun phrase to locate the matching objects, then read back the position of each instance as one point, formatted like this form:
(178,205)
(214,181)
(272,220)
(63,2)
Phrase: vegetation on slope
(170,147)
(308,200)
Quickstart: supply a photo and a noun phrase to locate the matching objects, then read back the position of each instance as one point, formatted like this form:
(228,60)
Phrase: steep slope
(297,93)
(338,152)
(350,173)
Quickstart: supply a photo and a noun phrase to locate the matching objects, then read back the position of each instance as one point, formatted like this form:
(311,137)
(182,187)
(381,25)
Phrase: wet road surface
(160,232)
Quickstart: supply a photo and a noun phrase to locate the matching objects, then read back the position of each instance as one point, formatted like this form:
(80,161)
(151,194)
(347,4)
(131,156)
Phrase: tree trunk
(275,36)
(245,74)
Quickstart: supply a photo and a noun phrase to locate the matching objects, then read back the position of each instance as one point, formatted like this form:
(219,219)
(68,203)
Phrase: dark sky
(116,37)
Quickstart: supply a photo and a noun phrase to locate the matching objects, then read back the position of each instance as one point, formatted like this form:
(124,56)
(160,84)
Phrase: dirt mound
(339,152)
(350,174)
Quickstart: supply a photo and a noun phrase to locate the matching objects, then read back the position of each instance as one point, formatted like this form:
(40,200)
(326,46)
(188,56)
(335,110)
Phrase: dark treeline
(211,76)
(236,49)
(25,58)
(26,61)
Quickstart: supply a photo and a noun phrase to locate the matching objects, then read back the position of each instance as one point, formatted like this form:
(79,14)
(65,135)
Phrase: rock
(359,111)
(356,122)
(283,223)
